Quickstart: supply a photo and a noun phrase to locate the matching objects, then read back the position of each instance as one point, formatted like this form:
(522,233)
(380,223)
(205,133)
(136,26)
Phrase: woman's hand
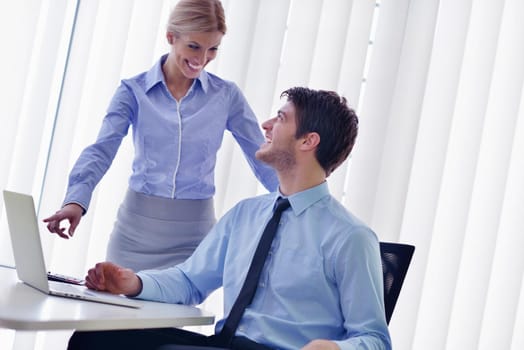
(72,212)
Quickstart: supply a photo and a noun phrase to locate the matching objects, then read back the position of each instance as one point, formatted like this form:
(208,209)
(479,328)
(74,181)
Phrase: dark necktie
(247,292)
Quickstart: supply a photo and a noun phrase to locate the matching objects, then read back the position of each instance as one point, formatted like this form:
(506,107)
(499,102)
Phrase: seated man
(320,285)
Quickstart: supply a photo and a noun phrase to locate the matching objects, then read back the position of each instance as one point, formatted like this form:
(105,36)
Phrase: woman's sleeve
(95,160)
(246,130)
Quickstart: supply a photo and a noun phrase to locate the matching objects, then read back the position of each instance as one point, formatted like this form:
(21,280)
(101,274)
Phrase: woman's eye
(193,47)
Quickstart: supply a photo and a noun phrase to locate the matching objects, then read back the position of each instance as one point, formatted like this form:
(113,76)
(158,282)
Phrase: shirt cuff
(148,290)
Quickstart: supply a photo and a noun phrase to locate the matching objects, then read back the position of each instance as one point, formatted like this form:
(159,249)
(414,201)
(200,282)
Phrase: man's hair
(327,114)
(199,16)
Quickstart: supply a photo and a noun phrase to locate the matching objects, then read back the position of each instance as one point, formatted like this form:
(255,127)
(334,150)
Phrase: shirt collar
(155,76)
(302,200)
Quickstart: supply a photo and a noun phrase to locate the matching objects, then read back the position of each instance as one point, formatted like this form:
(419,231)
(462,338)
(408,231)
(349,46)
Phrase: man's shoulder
(343,219)
(247,210)
(250,207)
(253,203)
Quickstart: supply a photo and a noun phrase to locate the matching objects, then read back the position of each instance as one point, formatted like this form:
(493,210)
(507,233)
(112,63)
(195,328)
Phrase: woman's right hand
(72,212)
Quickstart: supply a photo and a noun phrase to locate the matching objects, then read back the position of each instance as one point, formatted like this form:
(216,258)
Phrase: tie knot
(282,204)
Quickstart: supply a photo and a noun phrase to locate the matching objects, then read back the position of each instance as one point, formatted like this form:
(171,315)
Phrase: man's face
(280,147)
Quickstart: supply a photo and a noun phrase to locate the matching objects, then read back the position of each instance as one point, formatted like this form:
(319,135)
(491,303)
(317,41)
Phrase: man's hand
(112,278)
(72,212)
(321,344)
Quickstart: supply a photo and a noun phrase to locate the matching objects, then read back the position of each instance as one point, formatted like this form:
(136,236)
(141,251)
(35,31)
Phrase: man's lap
(153,339)
(133,339)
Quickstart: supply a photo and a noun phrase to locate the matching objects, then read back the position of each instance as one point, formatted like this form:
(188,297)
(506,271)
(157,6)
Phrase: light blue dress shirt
(322,277)
(175,142)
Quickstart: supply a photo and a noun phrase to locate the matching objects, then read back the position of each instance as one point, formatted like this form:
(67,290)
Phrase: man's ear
(310,141)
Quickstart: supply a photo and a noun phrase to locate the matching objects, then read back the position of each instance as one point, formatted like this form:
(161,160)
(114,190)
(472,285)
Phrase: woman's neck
(177,84)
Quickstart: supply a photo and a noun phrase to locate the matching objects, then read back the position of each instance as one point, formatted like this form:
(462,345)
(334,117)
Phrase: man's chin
(261,155)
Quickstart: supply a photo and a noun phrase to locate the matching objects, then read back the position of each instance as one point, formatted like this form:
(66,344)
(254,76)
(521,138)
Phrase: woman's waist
(179,187)
(165,208)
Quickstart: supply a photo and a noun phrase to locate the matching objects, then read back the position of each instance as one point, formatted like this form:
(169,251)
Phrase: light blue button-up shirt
(175,142)
(322,277)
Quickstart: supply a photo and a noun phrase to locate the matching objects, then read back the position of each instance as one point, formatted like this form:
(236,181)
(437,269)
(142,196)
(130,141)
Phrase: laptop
(29,257)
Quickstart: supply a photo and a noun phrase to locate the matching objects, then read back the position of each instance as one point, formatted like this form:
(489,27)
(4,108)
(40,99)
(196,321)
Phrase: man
(321,284)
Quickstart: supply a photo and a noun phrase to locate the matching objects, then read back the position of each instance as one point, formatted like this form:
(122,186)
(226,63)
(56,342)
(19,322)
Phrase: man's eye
(193,47)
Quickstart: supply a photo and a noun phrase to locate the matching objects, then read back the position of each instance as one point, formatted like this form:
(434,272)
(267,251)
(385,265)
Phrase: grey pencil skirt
(154,232)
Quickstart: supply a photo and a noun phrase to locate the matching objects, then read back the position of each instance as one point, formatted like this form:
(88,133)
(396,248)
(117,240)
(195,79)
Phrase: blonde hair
(197,16)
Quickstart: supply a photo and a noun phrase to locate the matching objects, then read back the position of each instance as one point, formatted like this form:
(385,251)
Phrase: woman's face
(193,51)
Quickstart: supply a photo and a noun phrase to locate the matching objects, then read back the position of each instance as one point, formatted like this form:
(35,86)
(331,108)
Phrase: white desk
(25,308)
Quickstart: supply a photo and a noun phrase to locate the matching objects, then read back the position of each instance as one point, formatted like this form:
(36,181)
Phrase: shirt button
(262,284)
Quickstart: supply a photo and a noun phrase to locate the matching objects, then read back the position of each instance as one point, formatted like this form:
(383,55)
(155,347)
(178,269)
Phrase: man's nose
(268,124)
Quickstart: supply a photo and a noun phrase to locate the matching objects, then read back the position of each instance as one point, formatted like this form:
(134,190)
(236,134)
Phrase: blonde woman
(178,113)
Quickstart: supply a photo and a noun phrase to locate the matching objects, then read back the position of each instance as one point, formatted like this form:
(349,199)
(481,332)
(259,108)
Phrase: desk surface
(25,308)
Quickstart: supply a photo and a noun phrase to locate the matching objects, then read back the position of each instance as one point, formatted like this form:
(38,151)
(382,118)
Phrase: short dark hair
(328,114)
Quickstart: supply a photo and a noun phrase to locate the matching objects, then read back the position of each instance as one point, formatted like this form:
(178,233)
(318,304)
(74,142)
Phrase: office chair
(396,258)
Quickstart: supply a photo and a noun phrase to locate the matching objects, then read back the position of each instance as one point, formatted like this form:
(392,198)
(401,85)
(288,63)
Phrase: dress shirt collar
(155,76)
(302,200)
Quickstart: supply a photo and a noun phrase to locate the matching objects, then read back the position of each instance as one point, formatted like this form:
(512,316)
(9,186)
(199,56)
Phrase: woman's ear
(169,37)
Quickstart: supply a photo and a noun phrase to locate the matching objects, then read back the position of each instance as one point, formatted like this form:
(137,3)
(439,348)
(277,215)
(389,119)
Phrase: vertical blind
(438,163)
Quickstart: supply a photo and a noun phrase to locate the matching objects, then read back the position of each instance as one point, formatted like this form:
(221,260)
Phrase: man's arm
(191,281)
(359,276)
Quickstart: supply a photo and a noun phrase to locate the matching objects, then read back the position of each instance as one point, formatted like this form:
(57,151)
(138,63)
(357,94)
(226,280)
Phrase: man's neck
(298,180)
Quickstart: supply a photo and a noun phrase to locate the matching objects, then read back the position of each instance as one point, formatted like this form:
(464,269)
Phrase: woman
(178,113)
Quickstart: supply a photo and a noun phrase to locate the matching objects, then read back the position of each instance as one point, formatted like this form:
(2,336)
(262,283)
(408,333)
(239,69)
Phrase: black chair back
(396,258)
